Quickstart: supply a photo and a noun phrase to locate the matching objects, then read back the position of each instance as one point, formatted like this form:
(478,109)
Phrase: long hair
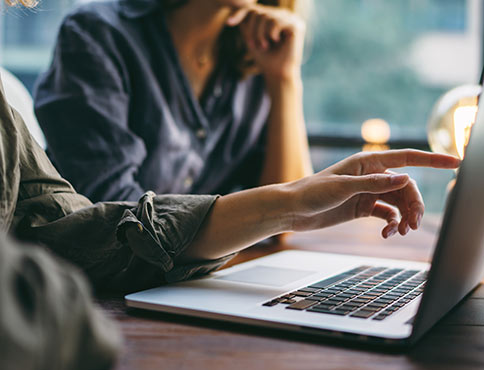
(232,49)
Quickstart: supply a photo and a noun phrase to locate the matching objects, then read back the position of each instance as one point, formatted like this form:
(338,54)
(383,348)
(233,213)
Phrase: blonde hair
(26,3)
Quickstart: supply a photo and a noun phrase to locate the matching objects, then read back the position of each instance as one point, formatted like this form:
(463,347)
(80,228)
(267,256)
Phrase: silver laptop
(366,299)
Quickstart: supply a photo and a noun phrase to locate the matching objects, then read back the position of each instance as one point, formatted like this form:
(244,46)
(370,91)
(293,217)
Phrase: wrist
(286,199)
(278,82)
(278,204)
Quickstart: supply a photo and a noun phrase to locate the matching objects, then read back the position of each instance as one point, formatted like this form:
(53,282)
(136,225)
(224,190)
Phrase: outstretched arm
(355,187)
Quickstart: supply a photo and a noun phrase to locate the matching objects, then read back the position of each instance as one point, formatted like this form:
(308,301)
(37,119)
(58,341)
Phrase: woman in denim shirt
(197,96)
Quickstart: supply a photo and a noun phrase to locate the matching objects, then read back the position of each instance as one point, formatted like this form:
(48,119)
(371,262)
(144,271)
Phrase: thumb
(378,183)
(237,17)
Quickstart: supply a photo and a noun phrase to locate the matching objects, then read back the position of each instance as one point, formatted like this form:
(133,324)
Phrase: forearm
(239,220)
(287,152)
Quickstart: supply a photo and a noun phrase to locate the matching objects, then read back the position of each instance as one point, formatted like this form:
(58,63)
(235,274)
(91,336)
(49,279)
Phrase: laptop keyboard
(364,292)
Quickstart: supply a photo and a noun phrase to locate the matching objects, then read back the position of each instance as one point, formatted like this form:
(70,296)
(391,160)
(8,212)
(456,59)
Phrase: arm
(356,187)
(287,152)
(275,39)
(82,105)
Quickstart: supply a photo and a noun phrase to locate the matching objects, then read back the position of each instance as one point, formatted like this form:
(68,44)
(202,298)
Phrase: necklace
(202,60)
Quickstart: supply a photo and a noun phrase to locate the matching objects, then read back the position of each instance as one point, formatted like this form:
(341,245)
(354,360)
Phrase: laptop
(390,302)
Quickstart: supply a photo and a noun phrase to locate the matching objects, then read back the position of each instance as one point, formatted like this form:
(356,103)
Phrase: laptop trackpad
(266,275)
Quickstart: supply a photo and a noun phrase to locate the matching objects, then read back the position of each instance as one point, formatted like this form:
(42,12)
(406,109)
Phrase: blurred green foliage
(357,64)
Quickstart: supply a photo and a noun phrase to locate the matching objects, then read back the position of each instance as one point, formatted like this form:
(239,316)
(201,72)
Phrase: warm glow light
(452,118)
(464,118)
(375,131)
(375,147)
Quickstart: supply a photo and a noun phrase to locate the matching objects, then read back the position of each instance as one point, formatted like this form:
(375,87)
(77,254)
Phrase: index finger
(414,158)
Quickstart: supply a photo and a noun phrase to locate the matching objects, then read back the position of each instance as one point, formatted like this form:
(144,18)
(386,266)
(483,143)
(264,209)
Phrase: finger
(248,29)
(237,17)
(273,31)
(415,204)
(390,215)
(261,32)
(375,183)
(413,157)
(409,201)
(397,199)
(403,227)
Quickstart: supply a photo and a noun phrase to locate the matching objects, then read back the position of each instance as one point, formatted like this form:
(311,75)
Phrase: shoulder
(98,18)
(95,12)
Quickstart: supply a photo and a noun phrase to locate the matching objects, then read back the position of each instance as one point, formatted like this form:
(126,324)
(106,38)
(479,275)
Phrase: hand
(361,186)
(274,37)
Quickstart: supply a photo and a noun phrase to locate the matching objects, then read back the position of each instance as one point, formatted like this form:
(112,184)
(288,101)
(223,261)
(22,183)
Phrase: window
(28,37)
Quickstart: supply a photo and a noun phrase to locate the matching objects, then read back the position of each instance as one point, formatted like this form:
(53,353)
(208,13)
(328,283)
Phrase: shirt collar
(138,8)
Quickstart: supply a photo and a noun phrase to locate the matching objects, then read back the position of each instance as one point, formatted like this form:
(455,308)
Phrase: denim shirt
(120,116)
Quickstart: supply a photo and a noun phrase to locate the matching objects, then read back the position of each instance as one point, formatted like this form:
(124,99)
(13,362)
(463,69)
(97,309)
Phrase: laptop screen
(458,261)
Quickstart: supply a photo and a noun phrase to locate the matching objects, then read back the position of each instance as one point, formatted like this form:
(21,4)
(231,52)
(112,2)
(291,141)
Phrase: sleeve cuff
(161,227)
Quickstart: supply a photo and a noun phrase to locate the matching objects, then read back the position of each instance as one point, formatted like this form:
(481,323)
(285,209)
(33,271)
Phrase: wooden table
(155,340)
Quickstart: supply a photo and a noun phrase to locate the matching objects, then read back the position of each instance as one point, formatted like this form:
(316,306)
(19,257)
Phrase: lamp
(451,120)
(376,133)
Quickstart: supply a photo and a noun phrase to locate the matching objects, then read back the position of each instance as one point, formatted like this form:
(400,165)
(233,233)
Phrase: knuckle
(299,23)
(374,178)
(358,157)
(366,156)
(272,23)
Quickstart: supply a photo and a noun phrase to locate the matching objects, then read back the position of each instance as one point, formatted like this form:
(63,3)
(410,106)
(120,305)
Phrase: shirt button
(217,91)
(188,182)
(201,133)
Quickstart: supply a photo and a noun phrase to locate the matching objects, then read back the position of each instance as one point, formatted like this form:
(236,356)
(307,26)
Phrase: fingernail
(407,229)
(419,219)
(391,232)
(398,179)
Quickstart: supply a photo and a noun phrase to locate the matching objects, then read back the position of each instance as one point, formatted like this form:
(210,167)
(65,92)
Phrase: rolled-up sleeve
(128,246)
(162,229)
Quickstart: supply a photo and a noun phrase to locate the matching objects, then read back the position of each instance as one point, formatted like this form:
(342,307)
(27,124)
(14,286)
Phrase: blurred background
(373,70)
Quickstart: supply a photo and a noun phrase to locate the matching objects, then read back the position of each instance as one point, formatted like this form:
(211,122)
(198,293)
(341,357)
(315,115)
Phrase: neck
(196,26)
